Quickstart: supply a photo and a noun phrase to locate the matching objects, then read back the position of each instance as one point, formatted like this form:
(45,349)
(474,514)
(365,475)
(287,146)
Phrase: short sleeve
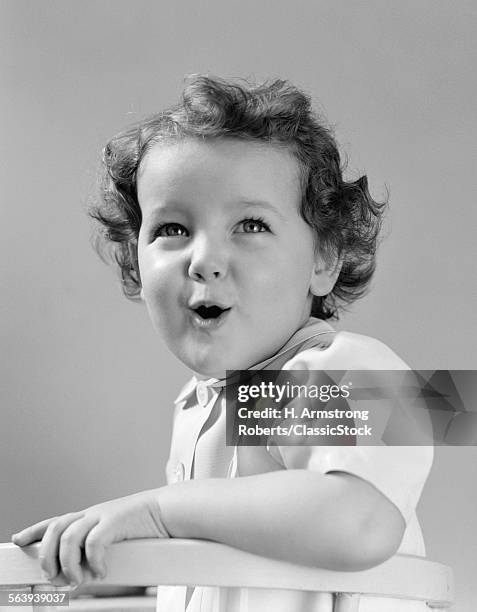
(398,472)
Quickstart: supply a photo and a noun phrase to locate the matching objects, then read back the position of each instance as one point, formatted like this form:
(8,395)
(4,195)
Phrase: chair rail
(202,563)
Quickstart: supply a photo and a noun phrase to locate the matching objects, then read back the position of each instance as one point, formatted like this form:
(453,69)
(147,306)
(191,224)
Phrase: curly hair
(345,218)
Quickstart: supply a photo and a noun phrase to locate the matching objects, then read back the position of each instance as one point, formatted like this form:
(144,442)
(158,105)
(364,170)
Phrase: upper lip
(194,304)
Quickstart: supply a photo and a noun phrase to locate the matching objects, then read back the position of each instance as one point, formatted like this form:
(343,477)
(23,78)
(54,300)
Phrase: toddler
(229,217)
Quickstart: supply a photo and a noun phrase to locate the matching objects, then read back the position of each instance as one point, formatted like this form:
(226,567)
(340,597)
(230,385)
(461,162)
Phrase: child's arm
(334,521)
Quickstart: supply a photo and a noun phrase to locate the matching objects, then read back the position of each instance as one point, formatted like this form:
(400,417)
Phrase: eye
(171,230)
(253,226)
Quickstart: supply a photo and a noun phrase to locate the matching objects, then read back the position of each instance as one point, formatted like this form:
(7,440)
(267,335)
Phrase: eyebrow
(261,204)
(156,211)
(175,207)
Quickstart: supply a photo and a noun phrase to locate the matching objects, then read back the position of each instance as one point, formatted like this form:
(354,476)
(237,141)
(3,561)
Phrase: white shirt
(198,450)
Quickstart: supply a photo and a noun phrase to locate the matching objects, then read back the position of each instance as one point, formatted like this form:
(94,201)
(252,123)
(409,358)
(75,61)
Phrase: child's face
(221,227)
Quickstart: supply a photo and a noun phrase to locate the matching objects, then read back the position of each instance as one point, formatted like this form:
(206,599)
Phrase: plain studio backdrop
(87,387)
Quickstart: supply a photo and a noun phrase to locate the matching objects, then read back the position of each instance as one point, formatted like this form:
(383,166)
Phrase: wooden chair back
(200,563)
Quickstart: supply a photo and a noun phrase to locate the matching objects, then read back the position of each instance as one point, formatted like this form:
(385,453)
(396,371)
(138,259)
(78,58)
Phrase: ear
(324,275)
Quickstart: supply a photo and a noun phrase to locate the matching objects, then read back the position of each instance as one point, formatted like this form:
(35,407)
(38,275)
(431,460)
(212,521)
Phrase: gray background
(87,387)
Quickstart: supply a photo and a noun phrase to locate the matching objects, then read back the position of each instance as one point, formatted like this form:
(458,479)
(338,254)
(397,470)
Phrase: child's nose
(208,261)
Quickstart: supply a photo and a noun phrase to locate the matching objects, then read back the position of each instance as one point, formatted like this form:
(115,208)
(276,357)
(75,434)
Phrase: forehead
(221,168)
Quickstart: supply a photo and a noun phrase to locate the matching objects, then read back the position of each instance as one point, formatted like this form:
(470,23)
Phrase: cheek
(161,289)
(302,262)
(157,272)
(287,274)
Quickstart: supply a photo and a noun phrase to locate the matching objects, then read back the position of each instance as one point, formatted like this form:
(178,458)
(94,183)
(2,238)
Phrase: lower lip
(208,324)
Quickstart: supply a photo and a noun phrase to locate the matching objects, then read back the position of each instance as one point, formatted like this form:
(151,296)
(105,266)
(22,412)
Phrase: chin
(217,369)
(213,363)
(206,368)
(209,372)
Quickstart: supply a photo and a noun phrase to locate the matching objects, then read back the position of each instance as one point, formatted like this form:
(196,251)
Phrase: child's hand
(63,538)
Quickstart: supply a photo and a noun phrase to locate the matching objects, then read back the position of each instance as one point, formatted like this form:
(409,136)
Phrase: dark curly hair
(345,218)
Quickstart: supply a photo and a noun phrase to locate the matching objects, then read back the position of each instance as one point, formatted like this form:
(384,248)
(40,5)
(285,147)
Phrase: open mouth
(210,312)
(209,316)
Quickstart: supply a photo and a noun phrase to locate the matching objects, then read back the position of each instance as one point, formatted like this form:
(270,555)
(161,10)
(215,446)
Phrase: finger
(101,536)
(50,543)
(33,533)
(71,544)
(61,581)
